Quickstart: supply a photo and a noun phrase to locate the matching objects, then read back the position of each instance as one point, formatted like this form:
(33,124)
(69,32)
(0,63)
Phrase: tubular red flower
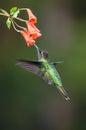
(28,38)
(32,32)
(32,17)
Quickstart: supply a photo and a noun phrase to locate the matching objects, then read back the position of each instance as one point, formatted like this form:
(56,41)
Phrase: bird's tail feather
(63,92)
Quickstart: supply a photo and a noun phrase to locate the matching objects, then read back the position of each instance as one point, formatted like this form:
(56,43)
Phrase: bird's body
(50,73)
(45,69)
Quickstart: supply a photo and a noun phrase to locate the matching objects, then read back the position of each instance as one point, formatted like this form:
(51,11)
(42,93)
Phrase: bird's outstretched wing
(55,63)
(32,66)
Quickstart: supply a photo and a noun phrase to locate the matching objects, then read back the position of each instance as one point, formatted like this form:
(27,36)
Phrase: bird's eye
(40,50)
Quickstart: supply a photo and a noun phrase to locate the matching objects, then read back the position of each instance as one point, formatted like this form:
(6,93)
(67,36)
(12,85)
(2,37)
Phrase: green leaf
(16,14)
(13,10)
(4,11)
(8,23)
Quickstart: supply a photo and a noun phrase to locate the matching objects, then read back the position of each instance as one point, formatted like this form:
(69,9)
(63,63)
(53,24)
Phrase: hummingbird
(44,69)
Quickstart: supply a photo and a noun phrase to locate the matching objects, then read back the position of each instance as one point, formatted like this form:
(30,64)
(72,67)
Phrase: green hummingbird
(45,69)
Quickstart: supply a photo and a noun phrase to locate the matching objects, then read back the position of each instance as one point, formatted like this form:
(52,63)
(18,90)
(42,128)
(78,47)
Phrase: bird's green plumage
(50,72)
(45,69)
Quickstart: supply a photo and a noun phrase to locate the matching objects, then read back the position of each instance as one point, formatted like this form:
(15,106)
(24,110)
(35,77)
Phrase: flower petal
(34,31)
(30,42)
(28,38)
(32,17)
(25,34)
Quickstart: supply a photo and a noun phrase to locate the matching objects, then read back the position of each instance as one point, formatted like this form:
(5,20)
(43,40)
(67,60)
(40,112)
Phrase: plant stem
(20,19)
(15,27)
(7,15)
(19,25)
(21,9)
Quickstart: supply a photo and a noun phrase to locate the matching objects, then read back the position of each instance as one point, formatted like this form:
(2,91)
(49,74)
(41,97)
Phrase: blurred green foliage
(26,101)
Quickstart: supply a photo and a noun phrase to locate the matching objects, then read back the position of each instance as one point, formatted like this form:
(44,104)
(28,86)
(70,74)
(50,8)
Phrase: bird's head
(41,53)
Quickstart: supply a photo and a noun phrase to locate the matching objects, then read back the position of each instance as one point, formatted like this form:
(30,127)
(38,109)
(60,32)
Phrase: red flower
(28,38)
(32,17)
(32,32)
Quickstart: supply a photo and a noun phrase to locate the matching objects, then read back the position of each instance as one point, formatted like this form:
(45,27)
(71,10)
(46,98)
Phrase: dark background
(26,101)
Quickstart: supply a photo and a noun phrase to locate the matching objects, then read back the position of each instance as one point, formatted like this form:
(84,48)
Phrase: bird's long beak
(36,46)
(38,51)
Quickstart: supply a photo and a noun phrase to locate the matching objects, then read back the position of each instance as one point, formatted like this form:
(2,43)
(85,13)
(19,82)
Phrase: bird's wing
(32,66)
(55,63)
